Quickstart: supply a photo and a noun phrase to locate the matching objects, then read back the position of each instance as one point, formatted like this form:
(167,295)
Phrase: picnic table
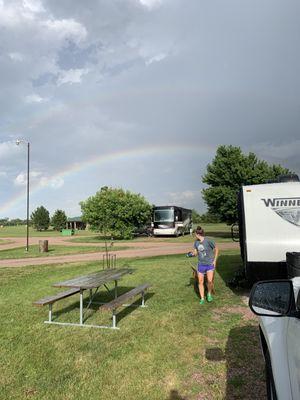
(93,282)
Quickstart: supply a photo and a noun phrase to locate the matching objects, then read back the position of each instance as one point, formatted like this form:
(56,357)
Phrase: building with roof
(76,223)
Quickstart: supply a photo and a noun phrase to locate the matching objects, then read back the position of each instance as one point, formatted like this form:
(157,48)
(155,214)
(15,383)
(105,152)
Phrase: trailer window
(164,215)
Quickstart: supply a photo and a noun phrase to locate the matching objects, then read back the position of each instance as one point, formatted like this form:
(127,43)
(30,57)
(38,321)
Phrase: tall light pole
(27,217)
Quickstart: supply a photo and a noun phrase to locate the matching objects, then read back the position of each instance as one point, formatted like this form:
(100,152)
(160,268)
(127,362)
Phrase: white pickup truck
(277,303)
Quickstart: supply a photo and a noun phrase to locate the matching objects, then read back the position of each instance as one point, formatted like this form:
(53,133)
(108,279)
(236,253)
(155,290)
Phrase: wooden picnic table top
(94,280)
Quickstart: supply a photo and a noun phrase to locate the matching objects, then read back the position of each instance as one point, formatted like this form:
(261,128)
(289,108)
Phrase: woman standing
(207,252)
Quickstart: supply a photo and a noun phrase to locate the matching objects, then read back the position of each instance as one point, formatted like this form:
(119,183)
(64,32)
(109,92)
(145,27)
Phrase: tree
(229,170)
(196,217)
(16,222)
(59,220)
(209,218)
(40,218)
(116,212)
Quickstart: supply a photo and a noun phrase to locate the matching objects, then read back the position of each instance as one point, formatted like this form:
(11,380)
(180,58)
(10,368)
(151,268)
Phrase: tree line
(41,221)
(12,222)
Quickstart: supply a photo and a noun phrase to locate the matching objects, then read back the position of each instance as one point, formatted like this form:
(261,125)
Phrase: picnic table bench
(52,299)
(93,282)
(58,296)
(118,302)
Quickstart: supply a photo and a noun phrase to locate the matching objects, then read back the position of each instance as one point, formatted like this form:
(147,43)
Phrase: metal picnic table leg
(143,300)
(50,313)
(114,320)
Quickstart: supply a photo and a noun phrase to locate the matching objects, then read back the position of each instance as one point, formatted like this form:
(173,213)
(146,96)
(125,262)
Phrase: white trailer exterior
(269,224)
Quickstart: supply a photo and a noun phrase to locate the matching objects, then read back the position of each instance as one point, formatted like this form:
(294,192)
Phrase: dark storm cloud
(83,79)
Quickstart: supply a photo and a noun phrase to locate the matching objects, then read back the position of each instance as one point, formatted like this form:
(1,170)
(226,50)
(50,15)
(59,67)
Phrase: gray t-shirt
(205,251)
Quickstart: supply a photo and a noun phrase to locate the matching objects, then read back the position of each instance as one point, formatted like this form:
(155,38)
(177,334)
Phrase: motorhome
(269,227)
(171,220)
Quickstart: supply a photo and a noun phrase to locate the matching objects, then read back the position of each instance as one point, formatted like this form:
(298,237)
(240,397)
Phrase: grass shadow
(245,377)
(133,306)
(228,266)
(100,296)
(221,235)
(174,395)
(214,354)
(194,282)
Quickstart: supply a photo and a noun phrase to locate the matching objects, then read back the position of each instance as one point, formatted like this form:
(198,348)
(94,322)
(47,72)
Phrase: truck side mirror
(272,298)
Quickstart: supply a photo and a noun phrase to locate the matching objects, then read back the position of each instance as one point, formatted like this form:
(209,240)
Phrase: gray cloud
(81,80)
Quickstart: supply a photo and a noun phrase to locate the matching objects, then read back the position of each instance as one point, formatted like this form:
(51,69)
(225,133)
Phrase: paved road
(137,249)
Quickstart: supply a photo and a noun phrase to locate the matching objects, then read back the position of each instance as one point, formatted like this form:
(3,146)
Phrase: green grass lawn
(173,350)
(19,231)
(219,232)
(54,250)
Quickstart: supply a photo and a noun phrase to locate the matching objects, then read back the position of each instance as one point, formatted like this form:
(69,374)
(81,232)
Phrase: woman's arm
(216,251)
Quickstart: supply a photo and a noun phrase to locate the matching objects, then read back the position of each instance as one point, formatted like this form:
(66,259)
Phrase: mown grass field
(19,231)
(173,350)
(219,232)
(54,250)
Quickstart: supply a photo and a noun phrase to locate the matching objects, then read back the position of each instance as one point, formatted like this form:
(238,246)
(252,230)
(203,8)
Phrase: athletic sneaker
(209,298)
(202,301)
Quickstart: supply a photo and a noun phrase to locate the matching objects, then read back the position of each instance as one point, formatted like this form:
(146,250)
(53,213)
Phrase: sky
(139,94)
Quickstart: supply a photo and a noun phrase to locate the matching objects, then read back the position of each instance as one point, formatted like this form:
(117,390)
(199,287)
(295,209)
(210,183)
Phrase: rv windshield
(164,215)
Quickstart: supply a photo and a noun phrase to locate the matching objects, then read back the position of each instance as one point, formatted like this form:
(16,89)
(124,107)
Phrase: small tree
(40,218)
(116,212)
(59,220)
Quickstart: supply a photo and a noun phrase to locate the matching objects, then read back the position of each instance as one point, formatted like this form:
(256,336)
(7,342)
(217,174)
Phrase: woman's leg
(201,285)
(210,281)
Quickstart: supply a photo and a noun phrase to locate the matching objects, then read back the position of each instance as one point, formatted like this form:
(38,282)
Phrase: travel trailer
(269,227)
(171,220)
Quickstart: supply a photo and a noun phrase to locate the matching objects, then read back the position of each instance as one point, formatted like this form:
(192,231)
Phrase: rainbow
(109,157)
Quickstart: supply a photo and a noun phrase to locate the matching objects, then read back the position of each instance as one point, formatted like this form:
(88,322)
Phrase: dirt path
(53,240)
(13,242)
(139,249)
